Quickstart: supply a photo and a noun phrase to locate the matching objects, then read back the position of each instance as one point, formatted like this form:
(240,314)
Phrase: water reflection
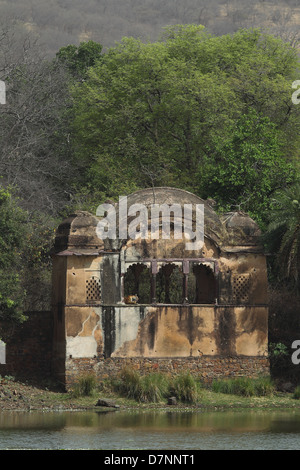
(150,430)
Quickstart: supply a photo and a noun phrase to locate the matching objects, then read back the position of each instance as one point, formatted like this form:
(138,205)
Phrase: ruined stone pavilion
(153,304)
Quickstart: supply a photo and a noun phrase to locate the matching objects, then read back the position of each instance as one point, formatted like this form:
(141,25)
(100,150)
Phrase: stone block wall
(206,368)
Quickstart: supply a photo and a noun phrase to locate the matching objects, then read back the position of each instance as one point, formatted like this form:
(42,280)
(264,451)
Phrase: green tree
(78,59)
(12,236)
(208,114)
(248,167)
(283,235)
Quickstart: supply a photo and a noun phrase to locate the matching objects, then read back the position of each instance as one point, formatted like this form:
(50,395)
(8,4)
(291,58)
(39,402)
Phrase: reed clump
(155,387)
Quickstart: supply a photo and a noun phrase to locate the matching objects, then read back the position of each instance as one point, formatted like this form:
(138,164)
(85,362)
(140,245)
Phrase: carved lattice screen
(93,289)
(241,285)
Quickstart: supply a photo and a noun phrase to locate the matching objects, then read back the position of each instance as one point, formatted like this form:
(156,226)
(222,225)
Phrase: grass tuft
(245,386)
(152,387)
(155,387)
(185,388)
(296,394)
(85,386)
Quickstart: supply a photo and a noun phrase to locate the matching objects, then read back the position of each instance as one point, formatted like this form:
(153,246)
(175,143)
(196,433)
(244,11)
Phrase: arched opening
(169,281)
(201,285)
(137,282)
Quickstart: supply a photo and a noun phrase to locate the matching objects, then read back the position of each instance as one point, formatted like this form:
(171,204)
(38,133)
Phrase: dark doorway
(202,285)
(137,281)
(169,284)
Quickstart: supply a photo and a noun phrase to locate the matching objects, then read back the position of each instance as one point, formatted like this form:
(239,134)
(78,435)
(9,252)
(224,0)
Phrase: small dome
(241,227)
(78,231)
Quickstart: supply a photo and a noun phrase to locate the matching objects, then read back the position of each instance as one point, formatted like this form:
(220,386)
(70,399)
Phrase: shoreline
(21,397)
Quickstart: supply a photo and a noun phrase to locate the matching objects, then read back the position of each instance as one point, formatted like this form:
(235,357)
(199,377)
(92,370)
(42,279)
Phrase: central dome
(213,226)
(78,231)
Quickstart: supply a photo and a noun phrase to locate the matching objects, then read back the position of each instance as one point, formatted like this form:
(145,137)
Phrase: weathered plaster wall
(110,278)
(79,270)
(185,331)
(93,329)
(155,249)
(83,331)
(250,269)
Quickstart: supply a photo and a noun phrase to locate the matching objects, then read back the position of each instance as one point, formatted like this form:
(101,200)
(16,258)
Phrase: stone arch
(169,283)
(202,284)
(137,282)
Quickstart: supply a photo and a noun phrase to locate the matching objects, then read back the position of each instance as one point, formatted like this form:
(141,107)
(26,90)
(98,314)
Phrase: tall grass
(155,386)
(296,394)
(128,383)
(85,386)
(244,386)
(185,388)
(149,388)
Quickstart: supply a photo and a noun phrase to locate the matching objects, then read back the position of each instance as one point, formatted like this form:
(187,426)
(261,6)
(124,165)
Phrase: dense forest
(106,97)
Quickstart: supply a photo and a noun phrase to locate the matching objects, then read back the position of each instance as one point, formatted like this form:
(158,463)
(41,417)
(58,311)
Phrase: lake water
(155,430)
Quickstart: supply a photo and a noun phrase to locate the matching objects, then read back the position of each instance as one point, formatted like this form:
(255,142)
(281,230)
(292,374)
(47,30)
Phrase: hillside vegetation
(60,22)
